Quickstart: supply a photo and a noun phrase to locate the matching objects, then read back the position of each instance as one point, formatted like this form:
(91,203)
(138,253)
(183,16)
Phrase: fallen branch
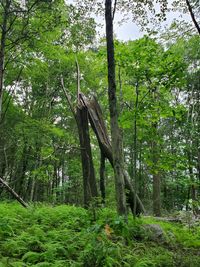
(10,190)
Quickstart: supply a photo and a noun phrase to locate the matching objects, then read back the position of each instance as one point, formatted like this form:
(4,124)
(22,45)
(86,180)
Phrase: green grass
(61,236)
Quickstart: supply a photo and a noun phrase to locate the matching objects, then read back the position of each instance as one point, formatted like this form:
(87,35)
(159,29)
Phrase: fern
(46,236)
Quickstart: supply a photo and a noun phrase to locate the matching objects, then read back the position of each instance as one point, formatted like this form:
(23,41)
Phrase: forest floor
(62,236)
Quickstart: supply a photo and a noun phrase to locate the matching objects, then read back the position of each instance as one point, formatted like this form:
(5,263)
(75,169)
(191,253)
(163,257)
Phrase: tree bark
(135,148)
(102,178)
(193,16)
(14,194)
(81,116)
(2,50)
(89,180)
(156,177)
(192,178)
(156,195)
(118,161)
(99,128)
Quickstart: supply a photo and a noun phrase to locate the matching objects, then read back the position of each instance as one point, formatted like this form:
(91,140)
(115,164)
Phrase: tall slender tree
(115,130)
(4,30)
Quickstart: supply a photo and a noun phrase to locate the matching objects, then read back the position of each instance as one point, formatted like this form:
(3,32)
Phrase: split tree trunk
(98,126)
(93,109)
(81,116)
(118,161)
(89,180)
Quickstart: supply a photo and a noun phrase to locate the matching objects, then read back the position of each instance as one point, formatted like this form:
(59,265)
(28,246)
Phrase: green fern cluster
(62,236)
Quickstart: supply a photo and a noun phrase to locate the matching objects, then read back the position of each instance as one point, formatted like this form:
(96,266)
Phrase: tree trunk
(2,51)
(102,178)
(198,169)
(156,177)
(81,117)
(156,195)
(135,148)
(193,16)
(89,180)
(98,126)
(190,168)
(118,160)
(20,185)
(141,181)
(33,182)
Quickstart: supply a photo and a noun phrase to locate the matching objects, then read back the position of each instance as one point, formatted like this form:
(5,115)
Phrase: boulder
(154,232)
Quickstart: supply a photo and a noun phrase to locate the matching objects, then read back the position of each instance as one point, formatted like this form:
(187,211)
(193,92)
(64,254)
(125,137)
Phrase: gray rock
(154,233)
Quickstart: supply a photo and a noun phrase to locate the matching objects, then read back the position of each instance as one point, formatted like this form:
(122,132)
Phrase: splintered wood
(99,128)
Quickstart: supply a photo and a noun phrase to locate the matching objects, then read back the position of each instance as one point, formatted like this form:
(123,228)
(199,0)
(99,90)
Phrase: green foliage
(66,236)
(186,236)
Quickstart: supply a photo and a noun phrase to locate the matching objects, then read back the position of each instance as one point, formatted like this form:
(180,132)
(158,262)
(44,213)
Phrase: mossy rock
(154,232)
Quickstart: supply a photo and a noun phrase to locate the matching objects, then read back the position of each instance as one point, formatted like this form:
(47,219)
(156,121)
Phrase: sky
(129,30)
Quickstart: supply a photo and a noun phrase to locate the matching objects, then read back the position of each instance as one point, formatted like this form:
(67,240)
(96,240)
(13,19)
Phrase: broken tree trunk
(13,193)
(92,108)
(81,116)
(89,180)
(98,126)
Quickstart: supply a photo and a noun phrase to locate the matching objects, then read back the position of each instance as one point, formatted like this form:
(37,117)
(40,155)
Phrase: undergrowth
(62,236)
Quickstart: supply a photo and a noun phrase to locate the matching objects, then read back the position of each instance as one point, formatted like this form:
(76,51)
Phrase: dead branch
(13,193)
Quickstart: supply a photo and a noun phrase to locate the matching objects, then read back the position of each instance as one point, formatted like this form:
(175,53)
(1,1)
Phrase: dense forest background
(158,92)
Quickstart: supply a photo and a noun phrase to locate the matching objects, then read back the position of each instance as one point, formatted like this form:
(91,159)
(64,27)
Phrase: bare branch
(193,16)
(78,80)
(10,190)
(68,98)
(11,24)
(114,10)
(25,11)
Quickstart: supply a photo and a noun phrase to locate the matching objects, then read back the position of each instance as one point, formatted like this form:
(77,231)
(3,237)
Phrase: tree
(37,164)
(192,13)
(117,146)
(117,149)
(191,7)
(14,22)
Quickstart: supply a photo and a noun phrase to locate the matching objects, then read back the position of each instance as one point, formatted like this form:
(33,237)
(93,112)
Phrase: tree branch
(10,94)
(114,10)
(193,16)
(19,199)
(68,98)
(78,80)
